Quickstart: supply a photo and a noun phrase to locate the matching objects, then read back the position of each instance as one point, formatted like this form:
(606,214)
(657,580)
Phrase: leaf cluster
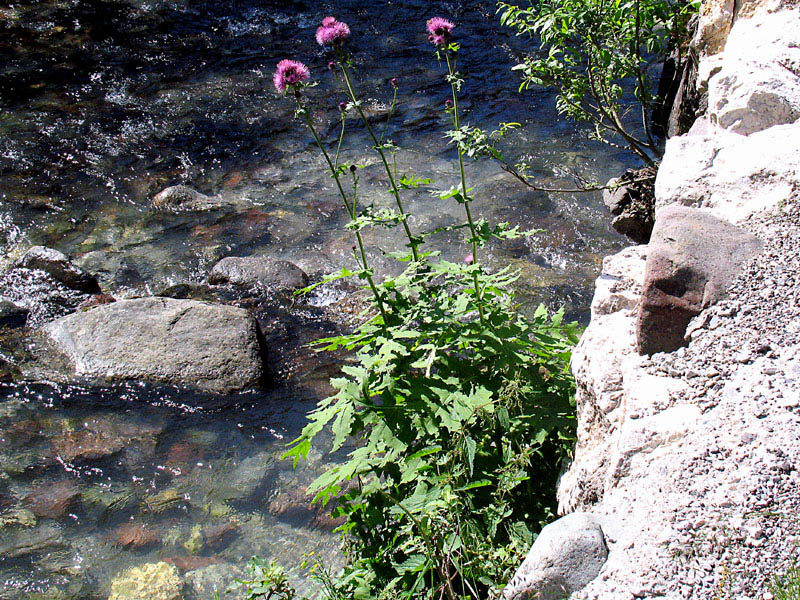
(461,426)
(590,49)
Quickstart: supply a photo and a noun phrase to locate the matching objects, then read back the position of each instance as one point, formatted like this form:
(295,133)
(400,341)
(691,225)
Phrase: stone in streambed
(692,259)
(53,500)
(178,342)
(267,273)
(153,581)
(11,315)
(179,198)
(59,267)
(567,556)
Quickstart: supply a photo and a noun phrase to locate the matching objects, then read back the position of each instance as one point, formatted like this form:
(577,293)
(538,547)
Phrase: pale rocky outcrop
(732,175)
(686,460)
(181,342)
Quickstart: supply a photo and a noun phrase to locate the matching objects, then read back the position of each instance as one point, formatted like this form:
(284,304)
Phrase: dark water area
(105,103)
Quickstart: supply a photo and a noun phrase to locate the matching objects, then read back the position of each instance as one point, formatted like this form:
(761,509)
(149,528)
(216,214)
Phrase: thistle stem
(351,210)
(413,242)
(456,124)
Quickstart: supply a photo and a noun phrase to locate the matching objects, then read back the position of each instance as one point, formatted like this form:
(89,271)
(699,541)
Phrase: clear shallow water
(103,104)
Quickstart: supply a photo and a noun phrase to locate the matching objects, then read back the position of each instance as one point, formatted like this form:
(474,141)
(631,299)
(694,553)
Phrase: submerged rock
(259,271)
(691,260)
(59,267)
(567,555)
(11,315)
(52,500)
(153,581)
(183,198)
(178,342)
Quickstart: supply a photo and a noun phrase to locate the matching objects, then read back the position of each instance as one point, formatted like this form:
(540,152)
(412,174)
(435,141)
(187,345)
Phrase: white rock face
(652,460)
(733,175)
(753,97)
(755,84)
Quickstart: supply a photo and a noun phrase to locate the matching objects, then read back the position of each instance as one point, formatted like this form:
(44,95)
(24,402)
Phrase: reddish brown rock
(96,300)
(692,258)
(134,535)
(52,500)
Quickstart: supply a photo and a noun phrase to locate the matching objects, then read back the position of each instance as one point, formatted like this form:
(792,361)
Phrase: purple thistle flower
(439,30)
(395,82)
(289,73)
(342,107)
(469,259)
(332,31)
(448,103)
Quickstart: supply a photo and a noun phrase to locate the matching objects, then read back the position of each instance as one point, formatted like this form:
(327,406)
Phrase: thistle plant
(457,407)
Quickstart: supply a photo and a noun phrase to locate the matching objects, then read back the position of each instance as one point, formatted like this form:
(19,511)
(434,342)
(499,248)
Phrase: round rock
(260,271)
(567,556)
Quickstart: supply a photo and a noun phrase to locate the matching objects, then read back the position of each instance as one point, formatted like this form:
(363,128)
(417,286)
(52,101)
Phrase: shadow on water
(105,103)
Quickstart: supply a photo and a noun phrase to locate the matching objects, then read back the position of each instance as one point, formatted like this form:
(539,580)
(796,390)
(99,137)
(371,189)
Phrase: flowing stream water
(103,103)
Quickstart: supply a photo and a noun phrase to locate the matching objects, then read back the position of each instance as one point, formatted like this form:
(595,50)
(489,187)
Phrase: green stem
(478,295)
(351,210)
(413,242)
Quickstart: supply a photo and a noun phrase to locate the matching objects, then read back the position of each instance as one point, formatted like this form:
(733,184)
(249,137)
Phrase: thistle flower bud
(395,82)
(342,106)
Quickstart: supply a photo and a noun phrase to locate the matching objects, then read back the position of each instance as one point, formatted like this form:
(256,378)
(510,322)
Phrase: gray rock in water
(567,555)
(692,259)
(11,315)
(270,274)
(182,198)
(180,342)
(59,267)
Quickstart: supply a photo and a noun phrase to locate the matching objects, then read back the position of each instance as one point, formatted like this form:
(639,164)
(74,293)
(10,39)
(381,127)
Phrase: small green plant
(266,581)
(589,48)
(787,586)
(458,409)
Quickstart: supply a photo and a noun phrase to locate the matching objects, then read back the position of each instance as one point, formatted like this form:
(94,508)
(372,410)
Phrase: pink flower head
(332,31)
(288,74)
(469,259)
(439,31)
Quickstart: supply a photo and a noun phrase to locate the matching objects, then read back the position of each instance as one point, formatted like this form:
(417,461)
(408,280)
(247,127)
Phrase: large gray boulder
(180,342)
(59,267)
(567,556)
(259,271)
(692,258)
